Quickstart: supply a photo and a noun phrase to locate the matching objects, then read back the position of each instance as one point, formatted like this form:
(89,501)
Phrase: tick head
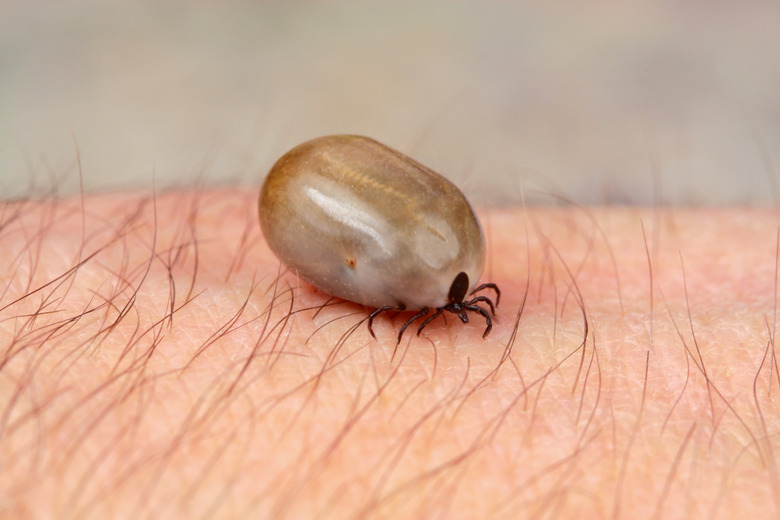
(459,287)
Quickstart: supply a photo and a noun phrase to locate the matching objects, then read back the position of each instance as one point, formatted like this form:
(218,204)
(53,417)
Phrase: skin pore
(156,362)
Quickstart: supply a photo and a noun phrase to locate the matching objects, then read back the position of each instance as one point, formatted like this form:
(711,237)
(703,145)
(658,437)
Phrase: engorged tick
(365,223)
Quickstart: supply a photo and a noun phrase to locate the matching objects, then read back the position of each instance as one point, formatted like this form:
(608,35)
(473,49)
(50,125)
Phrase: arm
(156,362)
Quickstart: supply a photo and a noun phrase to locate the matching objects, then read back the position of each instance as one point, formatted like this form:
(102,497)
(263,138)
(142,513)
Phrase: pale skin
(157,361)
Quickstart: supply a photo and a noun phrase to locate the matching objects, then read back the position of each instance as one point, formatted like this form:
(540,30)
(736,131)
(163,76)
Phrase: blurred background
(645,102)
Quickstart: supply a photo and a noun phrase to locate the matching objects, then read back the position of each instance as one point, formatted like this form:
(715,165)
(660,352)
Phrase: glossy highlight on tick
(363,222)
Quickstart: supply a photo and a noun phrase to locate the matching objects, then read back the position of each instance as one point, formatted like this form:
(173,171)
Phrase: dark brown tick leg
(485,314)
(456,308)
(485,299)
(409,322)
(489,286)
(374,314)
(430,319)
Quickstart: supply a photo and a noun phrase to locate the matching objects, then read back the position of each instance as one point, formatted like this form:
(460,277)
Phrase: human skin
(156,361)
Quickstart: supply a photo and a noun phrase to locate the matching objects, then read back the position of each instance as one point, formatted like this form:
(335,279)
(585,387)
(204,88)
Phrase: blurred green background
(646,102)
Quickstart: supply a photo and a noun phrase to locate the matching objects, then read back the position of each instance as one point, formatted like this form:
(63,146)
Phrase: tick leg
(430,319)
(489,286)
(413,318)
(485,299)
(374,314)
(485,314)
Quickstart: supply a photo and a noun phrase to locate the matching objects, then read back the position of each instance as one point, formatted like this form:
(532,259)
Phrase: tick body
(365,223)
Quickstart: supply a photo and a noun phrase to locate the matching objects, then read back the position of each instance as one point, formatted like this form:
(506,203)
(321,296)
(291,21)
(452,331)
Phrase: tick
(363,222)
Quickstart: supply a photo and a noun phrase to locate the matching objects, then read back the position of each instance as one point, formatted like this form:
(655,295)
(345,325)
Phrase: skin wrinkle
(182,375)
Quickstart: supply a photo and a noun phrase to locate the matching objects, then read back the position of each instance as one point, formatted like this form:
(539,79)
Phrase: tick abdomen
(364,222)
